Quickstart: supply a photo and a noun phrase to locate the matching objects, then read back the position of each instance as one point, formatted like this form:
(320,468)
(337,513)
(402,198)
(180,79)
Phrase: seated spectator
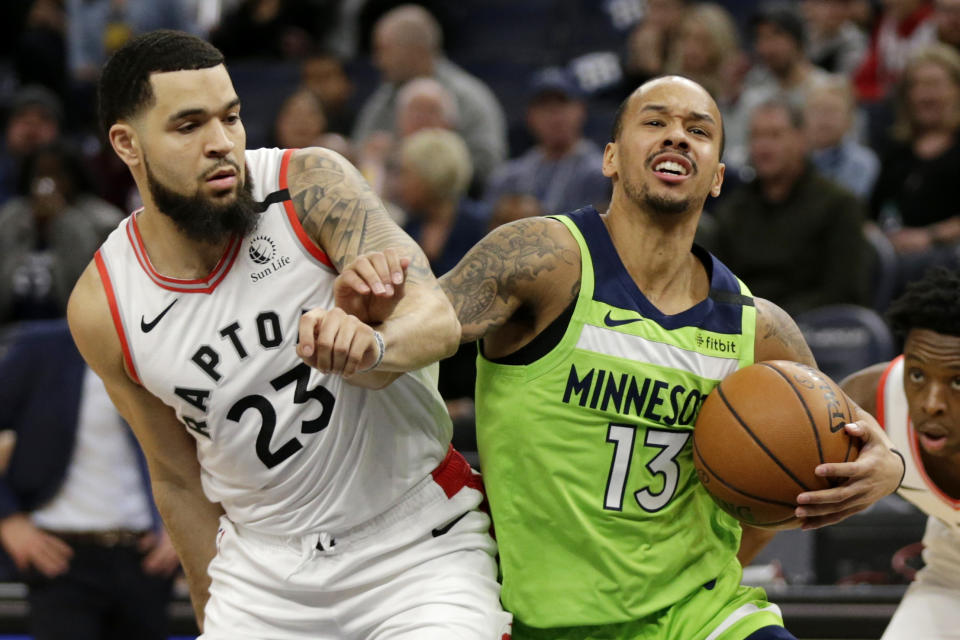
(431,185)
(433,176)
(36,115)
(903,27)
(915,199)
(76,513)
(828,120)
(274,29)
(650,41)
(782,71)
(300,121)
(564,169)
(946,15)
(97,28)
(423,103)
(323,73)
(511,207)
(50,233)
(793,236)
(407,45)
(708,51)
(835,43)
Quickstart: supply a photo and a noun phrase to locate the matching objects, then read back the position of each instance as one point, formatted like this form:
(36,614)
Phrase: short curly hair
(124,87)
(932,302)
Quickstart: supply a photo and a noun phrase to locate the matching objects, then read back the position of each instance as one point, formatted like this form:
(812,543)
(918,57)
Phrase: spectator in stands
(424,103)
(792,235)
(36,115)
(835,43)
(946,15)
(915,199)
(50,233)
(828,120)
(564,169)
(511,207)
(300,121)
(323,73)
(407,45)
(434,173)
(432,182)
(708,51)
(76,514)
(650,40)
(903,27)
(41,51)
(97,28)
(782,70)
(274,29)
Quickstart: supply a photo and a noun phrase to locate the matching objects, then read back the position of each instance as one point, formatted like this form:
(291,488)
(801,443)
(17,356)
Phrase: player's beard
(657,203)
(200,218)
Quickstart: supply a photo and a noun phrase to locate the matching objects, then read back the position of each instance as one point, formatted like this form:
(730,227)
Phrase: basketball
(760,434)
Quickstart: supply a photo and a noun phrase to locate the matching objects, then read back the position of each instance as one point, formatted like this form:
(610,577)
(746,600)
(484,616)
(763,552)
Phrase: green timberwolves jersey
(587,453)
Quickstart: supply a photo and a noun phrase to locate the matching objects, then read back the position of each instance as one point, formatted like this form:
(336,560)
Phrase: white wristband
(382,349)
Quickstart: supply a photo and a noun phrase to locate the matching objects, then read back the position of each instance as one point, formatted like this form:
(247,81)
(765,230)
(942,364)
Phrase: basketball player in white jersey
(916,398)
(300,458)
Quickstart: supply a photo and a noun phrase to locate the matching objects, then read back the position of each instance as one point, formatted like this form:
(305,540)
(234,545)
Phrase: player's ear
(123,139)
(610,160)
(718,180)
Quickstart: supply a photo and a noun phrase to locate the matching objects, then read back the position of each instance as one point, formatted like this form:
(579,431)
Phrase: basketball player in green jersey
(601,336)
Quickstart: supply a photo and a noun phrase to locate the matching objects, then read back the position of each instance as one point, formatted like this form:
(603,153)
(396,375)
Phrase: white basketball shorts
(423,570)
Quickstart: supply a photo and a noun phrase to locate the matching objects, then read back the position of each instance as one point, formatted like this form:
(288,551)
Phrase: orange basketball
(761,433)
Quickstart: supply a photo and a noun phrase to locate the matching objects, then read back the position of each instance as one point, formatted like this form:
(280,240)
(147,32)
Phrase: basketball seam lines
(734,488)
(846,401)
(806,409)
(757,440)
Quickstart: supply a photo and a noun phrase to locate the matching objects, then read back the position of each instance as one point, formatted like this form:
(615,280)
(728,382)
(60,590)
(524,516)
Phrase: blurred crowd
(841,125)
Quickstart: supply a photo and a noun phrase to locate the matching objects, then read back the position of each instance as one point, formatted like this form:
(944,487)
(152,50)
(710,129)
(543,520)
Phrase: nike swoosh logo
(611,322)
(147,327)
(439,531)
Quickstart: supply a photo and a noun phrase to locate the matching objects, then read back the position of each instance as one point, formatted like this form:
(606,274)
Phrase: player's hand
(334,341)
(161,558)
(874,474)
(371,286)
(28,546)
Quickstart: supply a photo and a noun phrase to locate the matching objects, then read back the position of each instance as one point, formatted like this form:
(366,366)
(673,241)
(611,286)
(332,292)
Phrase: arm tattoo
(778,334)
(484,286)
(343,215)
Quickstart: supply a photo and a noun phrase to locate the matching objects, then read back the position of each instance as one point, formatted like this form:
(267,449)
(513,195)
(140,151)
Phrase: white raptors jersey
(941,541)
(285,449)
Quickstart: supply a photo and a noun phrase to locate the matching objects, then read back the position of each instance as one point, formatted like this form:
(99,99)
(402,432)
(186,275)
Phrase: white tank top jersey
(941,541)
(284,448)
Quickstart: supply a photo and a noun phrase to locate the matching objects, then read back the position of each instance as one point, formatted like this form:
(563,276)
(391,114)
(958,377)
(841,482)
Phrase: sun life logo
(262,249)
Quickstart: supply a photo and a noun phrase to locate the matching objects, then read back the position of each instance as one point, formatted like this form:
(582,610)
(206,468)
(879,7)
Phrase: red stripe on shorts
(454,473)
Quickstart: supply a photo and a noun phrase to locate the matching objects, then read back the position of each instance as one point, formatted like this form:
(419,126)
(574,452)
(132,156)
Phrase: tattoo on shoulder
(340,211)
(516,254)
(780,335)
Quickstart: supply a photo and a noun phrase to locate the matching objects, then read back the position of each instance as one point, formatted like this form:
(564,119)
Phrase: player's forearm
(422,330)
(752,542)
(191,522)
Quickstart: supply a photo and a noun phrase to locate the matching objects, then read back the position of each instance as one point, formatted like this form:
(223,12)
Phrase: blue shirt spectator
(564,170)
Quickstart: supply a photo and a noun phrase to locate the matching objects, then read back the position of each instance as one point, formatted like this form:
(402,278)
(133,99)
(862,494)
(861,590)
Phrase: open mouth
(672,168)
(932,437)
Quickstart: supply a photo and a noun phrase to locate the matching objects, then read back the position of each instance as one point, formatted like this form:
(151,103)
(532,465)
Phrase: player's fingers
(378,260)
(307,336)
(840,469)
(396,264)
(354,279)
(833,518)
(340,352)
(372,267)
(361,343)
(326,336)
